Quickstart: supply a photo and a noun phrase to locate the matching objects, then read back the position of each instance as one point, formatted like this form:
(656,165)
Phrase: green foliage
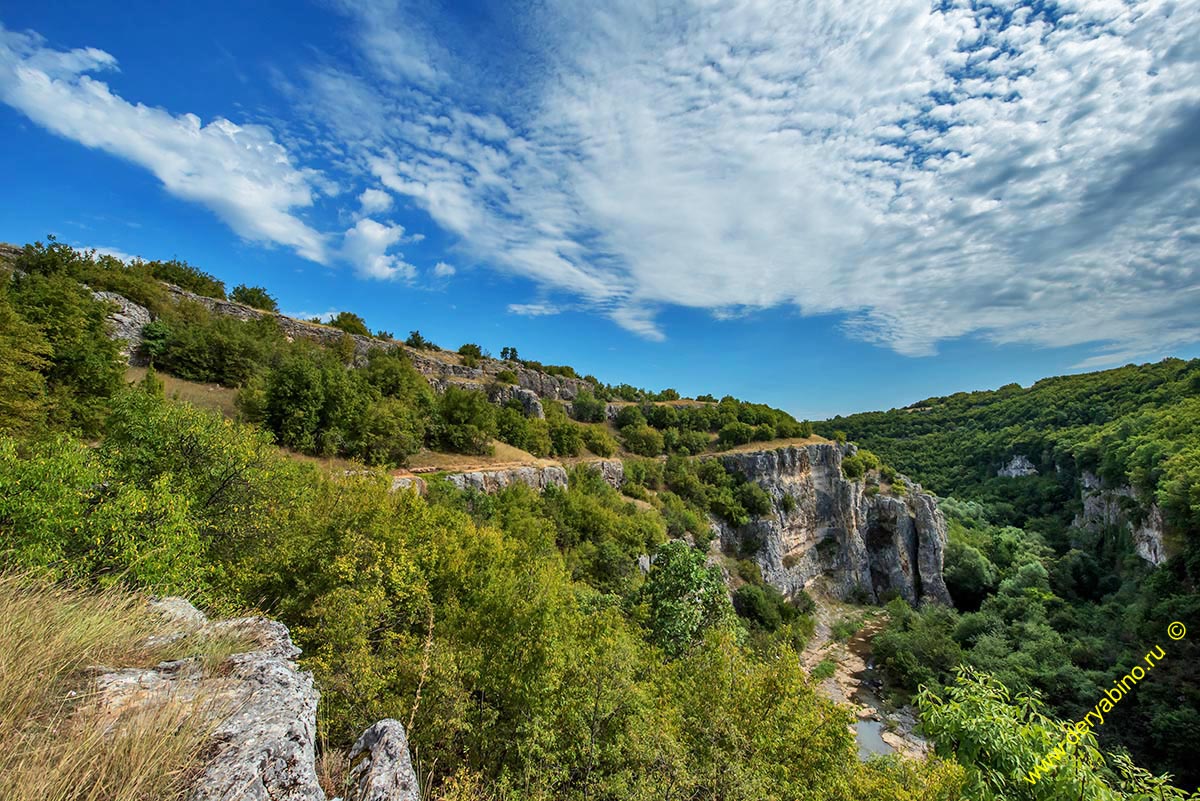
(351,323)
(24,360)
(587,408)
(415,340)
(685,598)
(642,440)
(598,441)
(254,296)
(506,377)
(856,466)
(466,421)
(735,433)
(185,276)
(55,328)
(1000,738)
(471,350)
(824,670)
(193,344)
(763,606)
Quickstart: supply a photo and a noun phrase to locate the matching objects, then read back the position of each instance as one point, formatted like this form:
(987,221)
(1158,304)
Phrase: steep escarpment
(822,524)
(1122,507)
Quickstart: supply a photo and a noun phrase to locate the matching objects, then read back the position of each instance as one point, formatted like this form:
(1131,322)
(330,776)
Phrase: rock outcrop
(537,477)
(263,709)
(494,480)
(1122,508)
(865,544)
(383,769)
(125,324)
(1018,467)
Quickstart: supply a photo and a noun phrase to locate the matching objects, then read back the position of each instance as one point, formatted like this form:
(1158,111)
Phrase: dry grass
(202,396)
(504,455)
(56,742)
(776,444)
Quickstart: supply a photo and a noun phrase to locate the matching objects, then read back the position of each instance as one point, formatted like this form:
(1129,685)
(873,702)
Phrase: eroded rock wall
(1121,507)
(865,544)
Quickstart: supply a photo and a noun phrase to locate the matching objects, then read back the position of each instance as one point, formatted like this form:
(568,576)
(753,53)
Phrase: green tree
(685,597)
(255,297)
(351,323)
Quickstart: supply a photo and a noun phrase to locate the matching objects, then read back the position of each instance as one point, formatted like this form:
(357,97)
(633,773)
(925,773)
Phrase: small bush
(255,297)
(824,670)
(351,323)
(599,442)
(506,377)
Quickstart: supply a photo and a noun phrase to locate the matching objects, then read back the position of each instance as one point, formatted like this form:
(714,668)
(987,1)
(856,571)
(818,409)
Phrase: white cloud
(443,270)
(120,255)
(533,309)
(374,201)
(928,171)
(366,246)
(239,172)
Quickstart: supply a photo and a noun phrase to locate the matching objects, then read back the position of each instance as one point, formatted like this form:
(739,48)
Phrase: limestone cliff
(865,544)
(1121,507)
(537,477)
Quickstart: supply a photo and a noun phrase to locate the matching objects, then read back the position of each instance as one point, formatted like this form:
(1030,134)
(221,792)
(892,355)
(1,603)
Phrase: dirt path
(851,669)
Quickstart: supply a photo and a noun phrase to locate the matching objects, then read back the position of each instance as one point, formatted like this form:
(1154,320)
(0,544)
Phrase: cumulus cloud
(366,246)
(237,171)
(443,270)
(374,201)
(928,171)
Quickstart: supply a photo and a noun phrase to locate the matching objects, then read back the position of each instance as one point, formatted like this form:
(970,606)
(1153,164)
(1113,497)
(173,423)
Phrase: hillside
(1084,491)
(596,591)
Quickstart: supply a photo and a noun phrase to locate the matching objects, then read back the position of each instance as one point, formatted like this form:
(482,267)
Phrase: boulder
(383,770)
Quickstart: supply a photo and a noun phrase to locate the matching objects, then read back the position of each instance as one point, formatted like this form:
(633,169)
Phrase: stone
(382,768)
(1018,467)
(494,480)
(611,470)
(1107,507)
(866,545)
(126,323)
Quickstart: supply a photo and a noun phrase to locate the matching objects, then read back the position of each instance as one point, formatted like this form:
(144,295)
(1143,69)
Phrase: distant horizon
(822,208)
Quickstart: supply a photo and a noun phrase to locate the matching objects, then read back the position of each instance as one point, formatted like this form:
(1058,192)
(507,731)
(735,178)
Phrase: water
(870,743)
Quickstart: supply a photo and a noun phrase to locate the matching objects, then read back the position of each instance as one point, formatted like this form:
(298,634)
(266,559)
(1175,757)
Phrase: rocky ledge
(869,544)
(264,710)
(537,477)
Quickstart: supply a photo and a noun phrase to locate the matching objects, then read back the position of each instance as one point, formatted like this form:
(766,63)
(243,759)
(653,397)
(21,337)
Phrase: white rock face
(1105,507)
(1018,467)
(126,325)
(385,772)
(265,714)
(833,528)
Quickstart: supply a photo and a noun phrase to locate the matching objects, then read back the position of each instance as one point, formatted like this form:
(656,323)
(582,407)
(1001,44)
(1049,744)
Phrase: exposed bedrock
(868,545)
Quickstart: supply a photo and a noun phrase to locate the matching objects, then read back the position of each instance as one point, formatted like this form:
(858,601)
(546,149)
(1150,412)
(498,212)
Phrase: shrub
(599,442)
(587,408)
(470,349)
(735,433)
(642,440)
(185,276)
(467,422)
(824,670)
(630,416)
(506,377)
(415,340)
(254,296)
(351,323)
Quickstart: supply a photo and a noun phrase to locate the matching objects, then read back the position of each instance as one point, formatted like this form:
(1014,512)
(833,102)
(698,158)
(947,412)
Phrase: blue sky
(822,206)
